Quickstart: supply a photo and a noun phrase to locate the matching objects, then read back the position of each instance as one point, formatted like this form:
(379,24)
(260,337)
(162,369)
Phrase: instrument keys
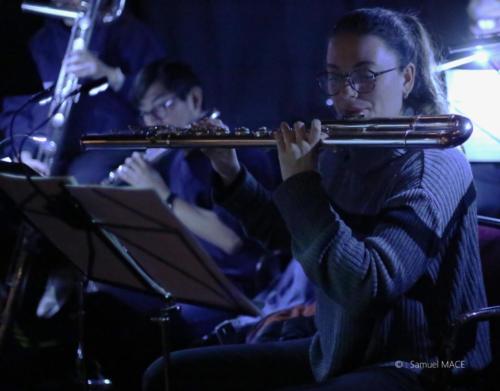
(242,131)
(177,132)
(221,132)
(261,132)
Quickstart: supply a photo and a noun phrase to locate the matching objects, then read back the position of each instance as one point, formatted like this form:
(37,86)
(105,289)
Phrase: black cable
(37,128)
(34,98)
(52,202)
(7,140)
(85,88)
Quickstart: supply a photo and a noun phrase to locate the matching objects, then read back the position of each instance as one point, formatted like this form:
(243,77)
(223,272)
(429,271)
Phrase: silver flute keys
(436,131)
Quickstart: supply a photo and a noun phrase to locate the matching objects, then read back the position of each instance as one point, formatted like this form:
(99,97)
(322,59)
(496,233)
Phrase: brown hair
(407,37)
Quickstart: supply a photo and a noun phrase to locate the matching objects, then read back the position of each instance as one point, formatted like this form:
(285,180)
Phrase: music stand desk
(139,222)
(126,237)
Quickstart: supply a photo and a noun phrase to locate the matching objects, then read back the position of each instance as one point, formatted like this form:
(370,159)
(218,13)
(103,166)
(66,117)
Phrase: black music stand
(110,236)
(47,208)
(138,220)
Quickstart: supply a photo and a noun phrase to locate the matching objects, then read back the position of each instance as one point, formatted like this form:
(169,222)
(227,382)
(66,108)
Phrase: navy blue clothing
(188,174)
(267,366)
(125,43)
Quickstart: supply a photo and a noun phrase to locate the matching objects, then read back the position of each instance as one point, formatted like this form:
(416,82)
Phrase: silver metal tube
(70,13)
(66,84)
(443,131)
(115,12)
(84,18)
(43,9)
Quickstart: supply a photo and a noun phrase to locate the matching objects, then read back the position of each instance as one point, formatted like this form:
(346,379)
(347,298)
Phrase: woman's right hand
(224,160)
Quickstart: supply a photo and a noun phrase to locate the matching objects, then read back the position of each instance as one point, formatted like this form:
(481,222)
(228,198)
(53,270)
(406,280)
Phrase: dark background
(257,58)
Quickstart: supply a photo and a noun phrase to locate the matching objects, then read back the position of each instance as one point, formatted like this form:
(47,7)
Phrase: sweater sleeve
(359,272)
(253,206)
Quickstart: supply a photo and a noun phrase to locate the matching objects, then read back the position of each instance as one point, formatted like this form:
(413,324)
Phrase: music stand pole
(80,350)
(14,279)
(164,320)
(166,314)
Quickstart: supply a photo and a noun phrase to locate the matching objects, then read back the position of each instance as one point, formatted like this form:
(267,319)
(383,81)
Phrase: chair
(489,379)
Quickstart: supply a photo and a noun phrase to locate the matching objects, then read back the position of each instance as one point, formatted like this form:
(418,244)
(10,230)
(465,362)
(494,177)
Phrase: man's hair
(406,36)
(176,77)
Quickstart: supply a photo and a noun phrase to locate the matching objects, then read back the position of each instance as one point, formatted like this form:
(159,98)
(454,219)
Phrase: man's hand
(224,160)
(83,63)
(37,165)
(138,173)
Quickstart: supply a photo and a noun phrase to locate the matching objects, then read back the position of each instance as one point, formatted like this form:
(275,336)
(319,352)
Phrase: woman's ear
(408,79)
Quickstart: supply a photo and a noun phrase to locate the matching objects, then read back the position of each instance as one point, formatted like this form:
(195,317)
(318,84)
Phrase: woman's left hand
(297,147)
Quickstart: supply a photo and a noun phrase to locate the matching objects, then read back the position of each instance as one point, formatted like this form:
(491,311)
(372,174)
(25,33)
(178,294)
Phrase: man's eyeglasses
(361,80)
(159,110)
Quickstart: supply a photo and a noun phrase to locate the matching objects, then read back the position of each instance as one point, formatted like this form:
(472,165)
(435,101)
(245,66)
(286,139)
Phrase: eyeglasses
(160,110)
(361,80)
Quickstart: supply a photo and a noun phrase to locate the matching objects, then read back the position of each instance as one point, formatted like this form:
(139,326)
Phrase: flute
(152,156)
(435,131)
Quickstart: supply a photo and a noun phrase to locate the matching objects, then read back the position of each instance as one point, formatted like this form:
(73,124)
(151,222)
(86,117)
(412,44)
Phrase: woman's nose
(347,89)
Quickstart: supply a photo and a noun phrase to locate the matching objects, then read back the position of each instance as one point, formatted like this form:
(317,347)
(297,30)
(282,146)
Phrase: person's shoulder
(447,180)
(435,165)
(128,21)
(442,179)
(50,30)
(443,174)
(446,166)
(134,34)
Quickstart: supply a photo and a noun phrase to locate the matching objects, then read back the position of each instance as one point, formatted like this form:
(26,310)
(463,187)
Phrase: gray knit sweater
(389,238)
